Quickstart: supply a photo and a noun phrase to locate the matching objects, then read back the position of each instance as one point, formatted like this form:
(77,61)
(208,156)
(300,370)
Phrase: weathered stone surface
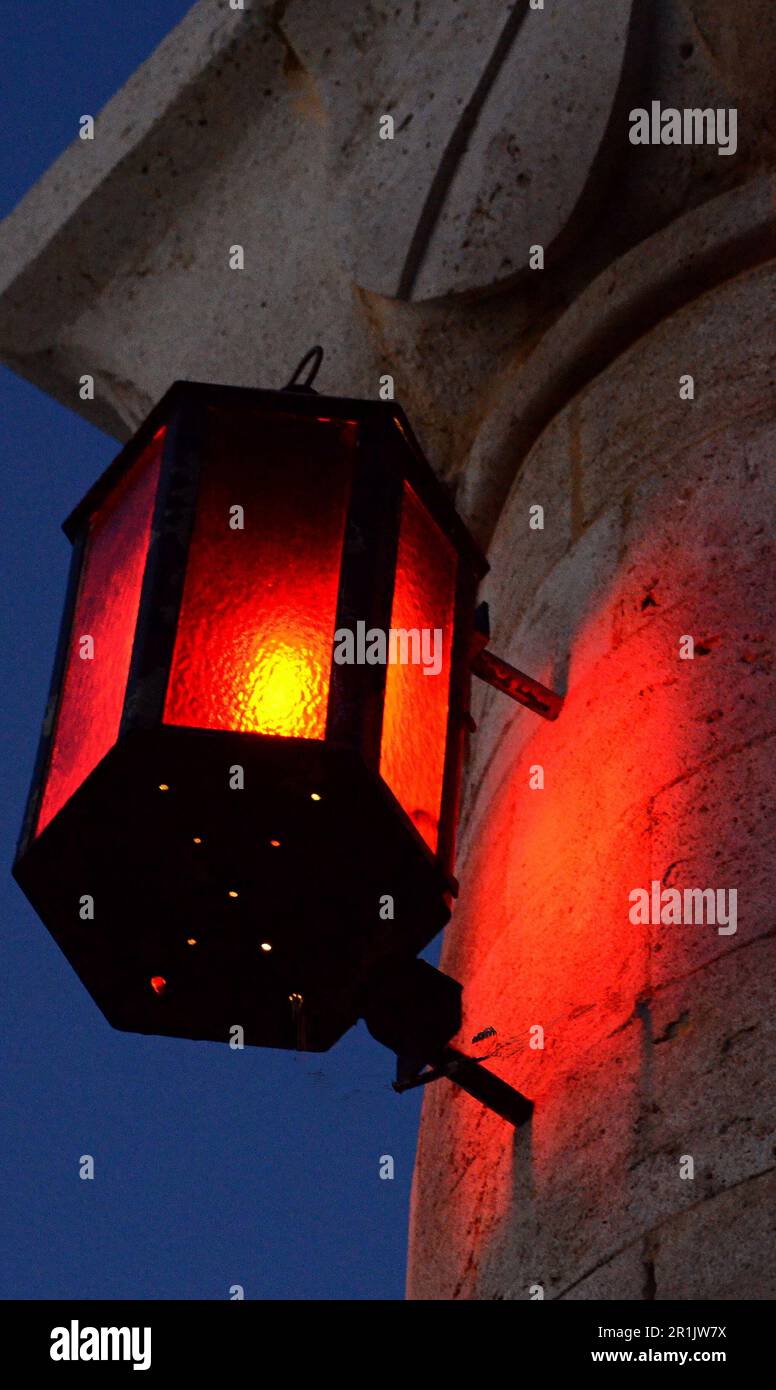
(697,532)
(723,340)
(693,846)
(500,114)
(497,1220)
(720,1238)
(723,1240)
(557,1168)
(627,300)
(561,641)
(707,1088)
(133,285)
(654,531)
(659,717)
(626,1276)
(742,54)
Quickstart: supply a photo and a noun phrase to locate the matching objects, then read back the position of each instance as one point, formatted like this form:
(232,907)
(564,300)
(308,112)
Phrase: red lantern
(245,801)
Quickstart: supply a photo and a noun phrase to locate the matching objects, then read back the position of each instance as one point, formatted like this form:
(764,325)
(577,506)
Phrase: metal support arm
(517,685)
(498,673)
(477,1081)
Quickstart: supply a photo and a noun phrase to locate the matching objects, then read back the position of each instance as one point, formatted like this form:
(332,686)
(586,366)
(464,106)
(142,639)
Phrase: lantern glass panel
(255,634)
(417,696)
(106,608)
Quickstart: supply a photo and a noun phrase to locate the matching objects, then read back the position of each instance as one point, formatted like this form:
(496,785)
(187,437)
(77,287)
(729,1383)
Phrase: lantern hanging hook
(315,355)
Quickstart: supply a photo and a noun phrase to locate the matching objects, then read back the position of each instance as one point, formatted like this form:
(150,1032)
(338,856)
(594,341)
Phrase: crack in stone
(674,1028)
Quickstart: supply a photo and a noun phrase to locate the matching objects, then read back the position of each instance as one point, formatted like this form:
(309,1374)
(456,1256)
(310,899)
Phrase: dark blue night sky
(212,1167)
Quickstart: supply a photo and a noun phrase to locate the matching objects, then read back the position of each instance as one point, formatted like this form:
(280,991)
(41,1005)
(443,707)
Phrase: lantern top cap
(182,400)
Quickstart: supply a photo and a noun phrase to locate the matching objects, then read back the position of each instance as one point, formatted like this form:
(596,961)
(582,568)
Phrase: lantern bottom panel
(200,881)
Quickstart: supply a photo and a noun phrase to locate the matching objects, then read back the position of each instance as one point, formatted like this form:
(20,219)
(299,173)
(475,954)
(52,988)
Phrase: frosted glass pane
(254,644)
(412,754)
(106,611)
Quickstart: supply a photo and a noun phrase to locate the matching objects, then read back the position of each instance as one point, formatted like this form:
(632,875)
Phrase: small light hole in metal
(297,1014)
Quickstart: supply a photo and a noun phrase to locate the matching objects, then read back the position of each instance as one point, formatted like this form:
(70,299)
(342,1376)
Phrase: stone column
(658,516)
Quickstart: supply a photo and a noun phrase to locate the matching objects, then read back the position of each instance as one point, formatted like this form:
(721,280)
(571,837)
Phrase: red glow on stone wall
(412,753)
(106,610)
(541,936)
(254,644)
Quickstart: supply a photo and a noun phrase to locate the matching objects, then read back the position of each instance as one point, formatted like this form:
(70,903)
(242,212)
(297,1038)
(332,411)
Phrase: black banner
(224,1339)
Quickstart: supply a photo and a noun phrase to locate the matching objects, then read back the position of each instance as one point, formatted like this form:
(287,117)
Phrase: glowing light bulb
(266,945)
(158,984)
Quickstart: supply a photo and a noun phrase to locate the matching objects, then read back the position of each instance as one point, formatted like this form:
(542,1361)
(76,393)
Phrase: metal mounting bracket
(506,678)
(473,1078)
